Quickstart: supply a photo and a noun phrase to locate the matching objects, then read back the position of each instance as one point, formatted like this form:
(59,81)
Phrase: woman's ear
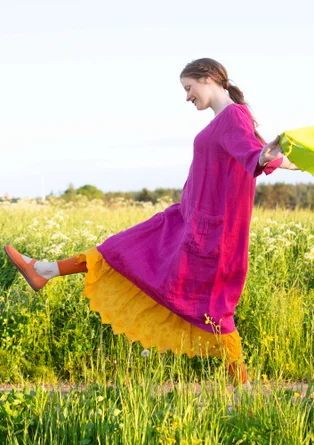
(208,80)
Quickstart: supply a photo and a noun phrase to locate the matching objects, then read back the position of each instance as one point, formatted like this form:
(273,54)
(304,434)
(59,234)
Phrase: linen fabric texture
(192,258)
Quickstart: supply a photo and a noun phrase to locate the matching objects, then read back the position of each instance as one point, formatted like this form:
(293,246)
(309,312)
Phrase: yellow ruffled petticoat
(130,311)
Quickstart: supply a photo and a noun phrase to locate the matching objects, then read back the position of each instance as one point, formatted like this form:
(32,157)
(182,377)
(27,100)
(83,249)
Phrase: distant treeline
(145,195)
(285,195)
(267,196)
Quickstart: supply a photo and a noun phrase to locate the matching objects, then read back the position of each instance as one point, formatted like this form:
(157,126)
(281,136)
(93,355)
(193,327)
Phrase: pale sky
(90,90)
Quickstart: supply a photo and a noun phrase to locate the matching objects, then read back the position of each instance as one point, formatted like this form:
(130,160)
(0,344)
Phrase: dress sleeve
(269,167)
(240,142)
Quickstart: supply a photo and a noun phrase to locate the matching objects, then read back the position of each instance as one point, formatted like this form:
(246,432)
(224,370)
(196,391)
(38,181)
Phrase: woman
(174,280)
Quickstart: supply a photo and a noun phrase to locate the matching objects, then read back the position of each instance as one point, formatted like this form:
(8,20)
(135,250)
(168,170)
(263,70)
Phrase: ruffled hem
(131,312)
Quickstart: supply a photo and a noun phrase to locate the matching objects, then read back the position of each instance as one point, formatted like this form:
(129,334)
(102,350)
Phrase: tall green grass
(141,410)
(53,337)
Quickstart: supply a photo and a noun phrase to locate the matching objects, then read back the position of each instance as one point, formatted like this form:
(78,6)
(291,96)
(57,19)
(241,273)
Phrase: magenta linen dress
(192,258)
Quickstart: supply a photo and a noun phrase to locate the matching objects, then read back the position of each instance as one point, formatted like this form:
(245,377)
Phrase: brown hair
(200,68)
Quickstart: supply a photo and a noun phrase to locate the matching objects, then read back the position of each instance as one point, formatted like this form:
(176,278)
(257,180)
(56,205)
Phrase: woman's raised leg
(38,273)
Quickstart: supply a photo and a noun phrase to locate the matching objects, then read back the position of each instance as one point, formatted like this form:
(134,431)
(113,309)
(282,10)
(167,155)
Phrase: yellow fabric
(130,311)
(298,146)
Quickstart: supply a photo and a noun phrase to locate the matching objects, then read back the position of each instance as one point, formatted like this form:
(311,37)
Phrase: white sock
(46,270)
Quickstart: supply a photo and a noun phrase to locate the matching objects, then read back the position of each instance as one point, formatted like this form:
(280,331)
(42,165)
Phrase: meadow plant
(135,396)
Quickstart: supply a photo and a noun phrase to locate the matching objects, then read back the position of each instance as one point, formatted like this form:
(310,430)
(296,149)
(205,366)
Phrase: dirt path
(299,387)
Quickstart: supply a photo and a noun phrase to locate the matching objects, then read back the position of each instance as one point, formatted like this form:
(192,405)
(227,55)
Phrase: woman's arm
(240,142)
(287,164)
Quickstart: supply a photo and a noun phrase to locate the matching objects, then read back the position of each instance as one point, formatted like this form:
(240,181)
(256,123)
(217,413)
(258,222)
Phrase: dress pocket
(203,235)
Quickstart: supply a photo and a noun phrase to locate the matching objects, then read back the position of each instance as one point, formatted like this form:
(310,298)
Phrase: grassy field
(52,337)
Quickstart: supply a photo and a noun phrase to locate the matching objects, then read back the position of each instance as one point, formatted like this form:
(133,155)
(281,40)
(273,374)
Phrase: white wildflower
(59,216)
(19,239)
(280,238)
(145,353)
(299,226)
(269,239)
(272,221)
(289,232)
(54,249)
(51,224)
(59,235)
(309,256)
(91,238)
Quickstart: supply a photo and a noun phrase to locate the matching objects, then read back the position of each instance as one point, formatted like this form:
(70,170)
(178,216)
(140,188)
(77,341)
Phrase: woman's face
(199,92)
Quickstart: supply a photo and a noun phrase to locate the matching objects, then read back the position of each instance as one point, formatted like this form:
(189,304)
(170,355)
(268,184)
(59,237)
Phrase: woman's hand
(270,152)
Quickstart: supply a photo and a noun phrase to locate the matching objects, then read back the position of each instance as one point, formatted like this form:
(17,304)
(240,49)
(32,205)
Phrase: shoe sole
(21,271)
